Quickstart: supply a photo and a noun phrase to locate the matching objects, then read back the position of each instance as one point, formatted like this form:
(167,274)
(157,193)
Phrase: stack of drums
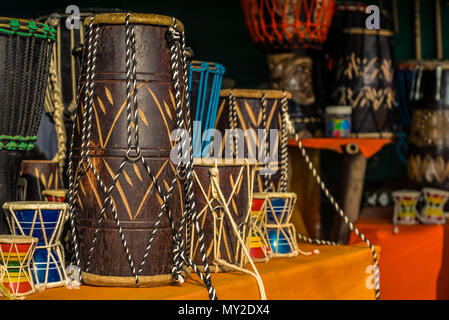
(428,159)
(365,81)
(118,189)
(25,51)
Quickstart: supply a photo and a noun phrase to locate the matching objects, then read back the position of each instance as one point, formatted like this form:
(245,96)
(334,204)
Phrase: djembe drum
(405,211)
(433,211)
(39,175)
(44,221)
(205,85)
(365,81)
(235,181)
(428,150)
(16,253)
(126,196)
(281,232)
(25,52)
(262,117)
(259,248)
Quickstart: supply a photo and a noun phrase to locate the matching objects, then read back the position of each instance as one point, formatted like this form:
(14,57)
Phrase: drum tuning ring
(133,159)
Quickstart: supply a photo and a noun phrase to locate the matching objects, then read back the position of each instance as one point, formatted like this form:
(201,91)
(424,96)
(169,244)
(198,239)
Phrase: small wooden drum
(205,85)
(365,81)
(39,175)
(43,220)
(433,211)
(55,195)
(284,24)
(25,49)
(260,249)
(281,232)
(405,211)
(428,151)
(233,196)
(15,255)
(254,112)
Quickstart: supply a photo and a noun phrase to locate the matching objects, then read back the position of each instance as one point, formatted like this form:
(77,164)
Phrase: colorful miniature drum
(121,171)
(235,181)
(283,25)
(43,220)
(260,249)
(338,121)
(405,211)
(55,195)
(39,175)
(205,85)
(25,49)
(365,81)
(15,255)
(433,211)
(259,116)
(281,232)
(428,150)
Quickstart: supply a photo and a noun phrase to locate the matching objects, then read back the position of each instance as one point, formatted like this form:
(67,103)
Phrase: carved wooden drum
(25,49)
(260,249)
(258,119)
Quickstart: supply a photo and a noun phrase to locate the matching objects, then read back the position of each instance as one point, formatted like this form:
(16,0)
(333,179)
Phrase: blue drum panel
(25,218)
(279,246)
(278,205)
(40,265)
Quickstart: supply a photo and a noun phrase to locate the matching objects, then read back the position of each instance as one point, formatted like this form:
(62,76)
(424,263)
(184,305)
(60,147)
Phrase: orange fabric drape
(335,273)
(414,263)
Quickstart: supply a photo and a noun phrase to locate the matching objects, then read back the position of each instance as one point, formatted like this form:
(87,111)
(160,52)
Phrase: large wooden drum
(252,111)
(117,193)
(428,160)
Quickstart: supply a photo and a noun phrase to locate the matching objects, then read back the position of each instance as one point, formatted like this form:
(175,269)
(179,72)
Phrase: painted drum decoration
(281,232)
(55,195)
(338,121)
(118,185)
(44,221)
(247,113)
(428,151)
(25,52)
(260,249)
(433,211)
(205,85)
(15,256)
(405,211)
(39,175)
(285,24)
(365,81)
(221,189)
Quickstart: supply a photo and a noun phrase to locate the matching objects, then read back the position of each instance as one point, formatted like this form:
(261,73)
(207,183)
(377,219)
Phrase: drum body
(259,249)
(25,49)
(39,175)
(278,26)
(135,198)
(235,181)
(250,117)
(405,90)
(205,85)
(405,202)
(428,151)
(281,232)
(294,73)
(55,195)
(433,211)
(44,221)
(365,81)
(15,255)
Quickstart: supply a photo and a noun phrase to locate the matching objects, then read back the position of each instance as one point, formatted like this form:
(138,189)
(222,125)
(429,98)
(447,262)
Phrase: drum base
(145,281)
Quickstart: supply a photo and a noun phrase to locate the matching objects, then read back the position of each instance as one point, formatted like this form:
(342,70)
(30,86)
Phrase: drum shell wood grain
(230,249)
(135,196)
(249,111)
(364,80)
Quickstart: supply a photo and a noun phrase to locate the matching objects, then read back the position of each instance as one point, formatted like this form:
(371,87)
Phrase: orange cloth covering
(335,273)
(368,147)
(414,263)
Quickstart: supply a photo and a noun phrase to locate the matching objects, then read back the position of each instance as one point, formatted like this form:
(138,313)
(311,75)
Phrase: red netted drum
(280,25)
